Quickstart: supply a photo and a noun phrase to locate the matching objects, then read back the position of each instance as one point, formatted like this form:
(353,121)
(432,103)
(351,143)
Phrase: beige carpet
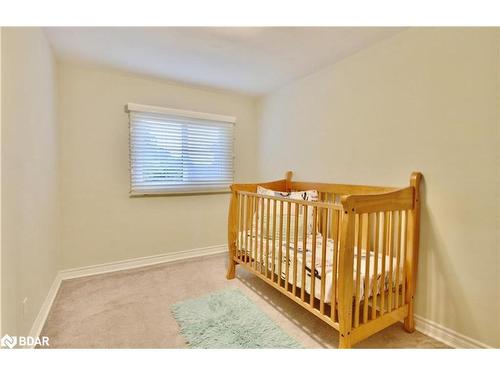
(131,309)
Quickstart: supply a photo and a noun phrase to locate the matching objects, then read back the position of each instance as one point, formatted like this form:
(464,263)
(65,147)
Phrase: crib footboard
(388,225)
(351,262)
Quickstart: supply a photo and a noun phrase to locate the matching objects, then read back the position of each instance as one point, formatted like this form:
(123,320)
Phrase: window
(175,151)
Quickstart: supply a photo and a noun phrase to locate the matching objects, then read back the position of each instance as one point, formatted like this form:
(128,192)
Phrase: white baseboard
(446,335)
(40,319)
(122,265)
(141,262)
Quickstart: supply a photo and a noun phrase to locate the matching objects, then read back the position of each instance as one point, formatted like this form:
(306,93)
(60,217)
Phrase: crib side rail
(268,235)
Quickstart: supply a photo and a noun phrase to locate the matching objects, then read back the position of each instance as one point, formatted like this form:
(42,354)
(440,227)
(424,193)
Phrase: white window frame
(191,115)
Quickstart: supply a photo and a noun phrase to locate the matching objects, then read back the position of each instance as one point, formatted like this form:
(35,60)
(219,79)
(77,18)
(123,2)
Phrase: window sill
(162,193)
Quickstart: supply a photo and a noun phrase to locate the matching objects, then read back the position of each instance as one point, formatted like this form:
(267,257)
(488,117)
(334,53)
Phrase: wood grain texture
(380,220)
(232,235)
(346,258)
(412,250)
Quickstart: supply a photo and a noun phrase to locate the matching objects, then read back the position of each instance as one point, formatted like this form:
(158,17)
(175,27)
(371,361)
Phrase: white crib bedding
(381,285)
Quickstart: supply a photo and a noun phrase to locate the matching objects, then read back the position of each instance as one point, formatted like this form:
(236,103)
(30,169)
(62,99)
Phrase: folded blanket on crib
(382,283)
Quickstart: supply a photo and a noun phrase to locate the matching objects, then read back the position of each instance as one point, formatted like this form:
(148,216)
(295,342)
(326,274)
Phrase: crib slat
(304,247)
(405,234)
(246,228)
(375,266)
(237,223)
(295,250)
(319,225)
(255,232)
(335,223)
(366,291)
(250,218)
(398,257)
(323,258)
(252,231)
(268,219)
(313,256)
(337,255)
(358,270)
(273,252)
(336,219)
(261,258)
(385,242)
(245,254)
(391,263)
(287,244)
(280,245)
(241,228)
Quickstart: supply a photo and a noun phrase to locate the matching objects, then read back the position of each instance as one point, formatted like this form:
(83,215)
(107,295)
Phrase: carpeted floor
(131,309)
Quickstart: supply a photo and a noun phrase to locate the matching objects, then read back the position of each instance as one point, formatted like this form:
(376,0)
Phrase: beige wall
(498,146)
(30,179)
(424,100)
(100,222)
(0,182)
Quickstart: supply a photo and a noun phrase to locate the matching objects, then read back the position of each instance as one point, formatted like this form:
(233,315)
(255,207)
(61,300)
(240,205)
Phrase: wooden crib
(372,236)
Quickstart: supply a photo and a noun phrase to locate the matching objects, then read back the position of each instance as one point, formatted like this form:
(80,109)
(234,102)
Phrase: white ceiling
(252,60)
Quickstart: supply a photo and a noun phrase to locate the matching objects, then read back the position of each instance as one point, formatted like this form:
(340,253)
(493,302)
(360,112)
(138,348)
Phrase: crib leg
(344,342)
(409,322)
(232,236)
(231,269)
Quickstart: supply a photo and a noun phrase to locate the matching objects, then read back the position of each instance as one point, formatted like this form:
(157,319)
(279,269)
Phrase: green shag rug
(228,319)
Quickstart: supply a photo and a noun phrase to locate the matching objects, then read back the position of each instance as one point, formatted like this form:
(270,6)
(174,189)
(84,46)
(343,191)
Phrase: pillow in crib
(307,195)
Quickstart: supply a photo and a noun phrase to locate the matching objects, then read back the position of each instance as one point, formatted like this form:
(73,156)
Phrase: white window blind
(175,151)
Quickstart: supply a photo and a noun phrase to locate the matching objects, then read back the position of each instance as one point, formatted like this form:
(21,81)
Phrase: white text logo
(11,341)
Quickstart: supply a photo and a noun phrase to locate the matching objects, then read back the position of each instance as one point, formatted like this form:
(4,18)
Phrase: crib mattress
(382,283)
